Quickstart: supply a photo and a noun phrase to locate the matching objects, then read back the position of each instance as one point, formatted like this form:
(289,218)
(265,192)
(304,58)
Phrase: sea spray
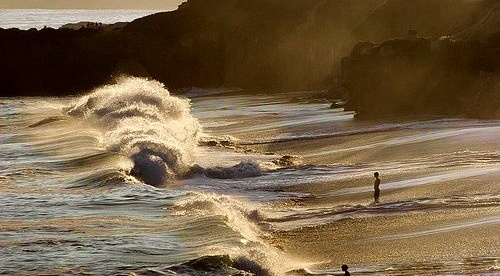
(142,121)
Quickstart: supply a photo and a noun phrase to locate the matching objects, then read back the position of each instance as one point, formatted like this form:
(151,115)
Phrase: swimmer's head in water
(375,174)
(344,267)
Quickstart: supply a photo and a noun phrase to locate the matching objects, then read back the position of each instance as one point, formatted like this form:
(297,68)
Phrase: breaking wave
(142,121)
(251,254)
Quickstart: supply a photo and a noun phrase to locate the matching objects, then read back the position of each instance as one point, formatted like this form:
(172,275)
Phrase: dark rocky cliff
(423,76)
(265,44)
(259,44)
(454,75)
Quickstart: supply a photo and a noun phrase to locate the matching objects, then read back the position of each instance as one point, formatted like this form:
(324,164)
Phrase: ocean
(130,179)
(40,18)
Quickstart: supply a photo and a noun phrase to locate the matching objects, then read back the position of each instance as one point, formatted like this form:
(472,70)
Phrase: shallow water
(149,183)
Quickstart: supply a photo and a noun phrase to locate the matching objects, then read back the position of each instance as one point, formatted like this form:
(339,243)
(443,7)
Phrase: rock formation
(422,76)
(253,45)
(452,75)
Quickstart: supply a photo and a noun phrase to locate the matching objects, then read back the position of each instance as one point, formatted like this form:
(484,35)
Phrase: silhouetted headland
(423,76)
(449,65)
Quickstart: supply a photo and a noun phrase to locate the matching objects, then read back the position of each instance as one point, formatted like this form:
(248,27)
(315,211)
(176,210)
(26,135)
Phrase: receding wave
(445,127)
(141,120)
(302,217)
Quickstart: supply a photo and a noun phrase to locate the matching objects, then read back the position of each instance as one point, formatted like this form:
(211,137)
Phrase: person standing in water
(376,185)
(345,268)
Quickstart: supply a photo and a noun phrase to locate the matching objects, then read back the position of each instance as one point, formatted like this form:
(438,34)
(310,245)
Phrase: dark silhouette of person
(345,268)
(376,185)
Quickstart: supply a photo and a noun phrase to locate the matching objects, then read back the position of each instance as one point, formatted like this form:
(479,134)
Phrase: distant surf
(25,19)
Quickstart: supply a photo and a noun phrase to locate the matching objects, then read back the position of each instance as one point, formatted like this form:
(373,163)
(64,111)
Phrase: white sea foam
(141,120)
(241,170)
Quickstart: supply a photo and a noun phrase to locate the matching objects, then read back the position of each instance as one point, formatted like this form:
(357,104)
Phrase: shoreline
(396,239)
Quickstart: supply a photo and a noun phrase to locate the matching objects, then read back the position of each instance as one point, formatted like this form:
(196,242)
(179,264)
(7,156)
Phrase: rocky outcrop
(259,44)
(53,62)
(456,75)
(254,45)
(415,75)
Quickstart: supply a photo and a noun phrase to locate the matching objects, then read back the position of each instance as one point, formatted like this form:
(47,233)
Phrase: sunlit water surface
(149,183)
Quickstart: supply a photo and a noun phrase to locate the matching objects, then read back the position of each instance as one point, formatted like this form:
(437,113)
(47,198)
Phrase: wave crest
(141,120)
